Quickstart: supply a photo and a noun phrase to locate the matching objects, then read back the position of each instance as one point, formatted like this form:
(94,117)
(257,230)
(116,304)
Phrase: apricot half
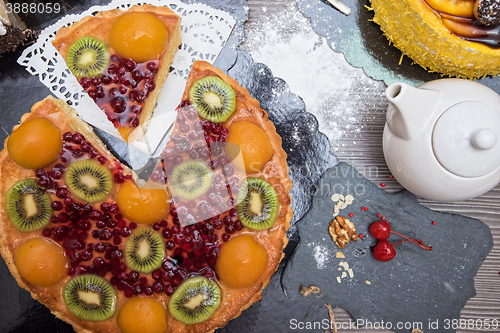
(142,315)
(138,36)
(253,144)
(142,206)
(41,262)
(241,262)
(35,143)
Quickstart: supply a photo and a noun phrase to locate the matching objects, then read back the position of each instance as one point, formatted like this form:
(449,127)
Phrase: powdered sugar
(321,256)
(289,46)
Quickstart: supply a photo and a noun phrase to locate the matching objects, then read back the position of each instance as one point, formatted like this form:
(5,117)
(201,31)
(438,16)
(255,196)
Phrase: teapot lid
(466,139)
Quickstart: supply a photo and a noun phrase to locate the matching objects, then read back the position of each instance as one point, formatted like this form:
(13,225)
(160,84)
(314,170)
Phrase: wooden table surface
(358,141)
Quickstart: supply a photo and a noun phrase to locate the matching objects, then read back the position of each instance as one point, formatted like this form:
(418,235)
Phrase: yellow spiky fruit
(415,29)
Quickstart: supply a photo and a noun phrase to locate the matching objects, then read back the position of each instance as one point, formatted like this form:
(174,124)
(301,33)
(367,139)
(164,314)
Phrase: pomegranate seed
(71,271)
(130,65)
(118,105)
(147,290)
(68,136)
(121,71)
(137,290)
(134,122)
(114,92)
(230,229)
(156,274)
(95,215)
(128,292)
(178,252)
(84,225)
(125,80)
(95,81)
(152,67)
(123,90)
(96,234)
(112,224)
(77,153)
(176,281)
(117,240)
(208,229)
(56,174)
(100,224)
(43,182)
(134,95)
(114,209)
(86,255)
(228,220)
(143,281)
(85,83)
(238,225)
(105,206)
(100,92)
(118,177)
(112,69)
(137,76)
(105,234)
(217,224)
(225,237)
(56,205)
(101,160)
(163,223)
(125,232)
(169,290)
(170,245)
(106,79)
(132,226)
(47,232)
(133,277)
(114,280)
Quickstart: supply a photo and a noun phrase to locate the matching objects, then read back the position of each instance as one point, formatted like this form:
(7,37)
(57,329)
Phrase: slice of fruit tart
(186,253)
(122,58)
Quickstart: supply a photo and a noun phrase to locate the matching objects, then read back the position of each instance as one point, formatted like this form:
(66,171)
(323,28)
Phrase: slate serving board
(364,45)
(308,157)
(417,286)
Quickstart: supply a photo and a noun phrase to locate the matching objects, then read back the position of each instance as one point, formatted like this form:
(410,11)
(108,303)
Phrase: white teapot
(442,139)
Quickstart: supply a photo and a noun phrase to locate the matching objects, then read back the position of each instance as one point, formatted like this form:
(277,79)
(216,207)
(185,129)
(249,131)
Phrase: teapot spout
(410,109)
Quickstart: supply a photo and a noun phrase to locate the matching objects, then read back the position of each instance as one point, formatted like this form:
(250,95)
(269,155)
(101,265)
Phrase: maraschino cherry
(384,251)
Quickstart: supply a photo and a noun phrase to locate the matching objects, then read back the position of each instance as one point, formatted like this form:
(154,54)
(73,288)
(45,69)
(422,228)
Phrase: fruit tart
(122,58)
(185,252)
(452,37)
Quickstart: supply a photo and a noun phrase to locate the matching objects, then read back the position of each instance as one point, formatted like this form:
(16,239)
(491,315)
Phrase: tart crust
(421,35)
(235,300)
(100,25)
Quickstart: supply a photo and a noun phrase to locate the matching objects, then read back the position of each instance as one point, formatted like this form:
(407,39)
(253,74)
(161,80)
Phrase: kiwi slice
(213,98)
(90,297)
(258,204)
(144,250)
(195,300)
(27,206)
(87,57)
(88,180)
(191,179)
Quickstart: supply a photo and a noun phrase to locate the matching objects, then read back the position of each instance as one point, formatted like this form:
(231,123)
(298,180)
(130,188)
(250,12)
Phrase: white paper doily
(204,33)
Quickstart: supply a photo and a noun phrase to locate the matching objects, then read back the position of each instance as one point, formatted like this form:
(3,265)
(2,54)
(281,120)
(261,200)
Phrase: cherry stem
(414,241)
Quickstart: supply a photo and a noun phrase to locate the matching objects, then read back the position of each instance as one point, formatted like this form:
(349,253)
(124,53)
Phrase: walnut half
(342,231)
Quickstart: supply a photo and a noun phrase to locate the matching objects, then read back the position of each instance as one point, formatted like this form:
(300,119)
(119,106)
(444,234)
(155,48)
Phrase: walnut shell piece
(342,231)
